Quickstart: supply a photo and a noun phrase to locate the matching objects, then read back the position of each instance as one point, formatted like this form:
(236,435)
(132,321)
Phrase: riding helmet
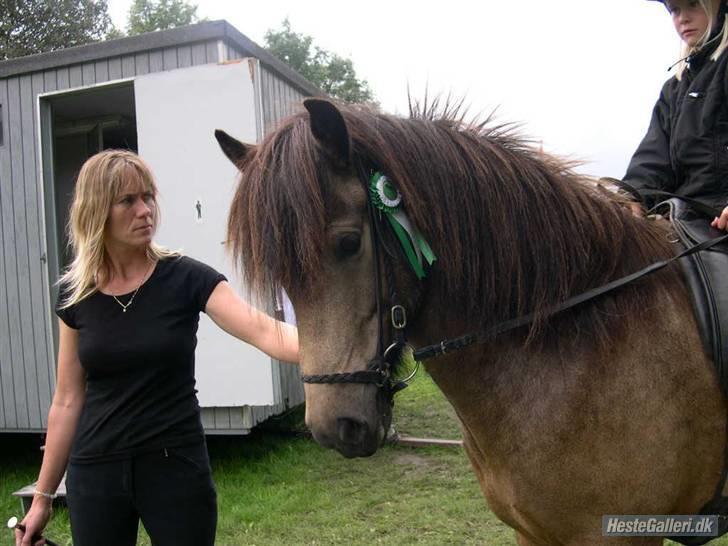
(723,6)
(721,12)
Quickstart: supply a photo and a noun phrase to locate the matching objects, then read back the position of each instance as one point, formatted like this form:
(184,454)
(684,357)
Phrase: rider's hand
(34,521)
(636,209)
(721,222)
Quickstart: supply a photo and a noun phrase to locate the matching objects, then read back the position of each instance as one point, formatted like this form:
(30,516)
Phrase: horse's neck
(490,386)
(505,392)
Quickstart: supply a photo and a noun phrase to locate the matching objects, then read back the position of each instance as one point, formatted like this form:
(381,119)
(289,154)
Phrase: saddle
(706,275)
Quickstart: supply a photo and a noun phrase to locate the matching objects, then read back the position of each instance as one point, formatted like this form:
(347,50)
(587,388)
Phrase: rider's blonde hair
(102,178)
(711,8)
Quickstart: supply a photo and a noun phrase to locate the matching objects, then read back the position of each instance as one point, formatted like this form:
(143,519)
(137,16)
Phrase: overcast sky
(581,75)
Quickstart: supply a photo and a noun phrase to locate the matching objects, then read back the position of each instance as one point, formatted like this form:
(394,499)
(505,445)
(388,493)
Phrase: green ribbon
(387,199)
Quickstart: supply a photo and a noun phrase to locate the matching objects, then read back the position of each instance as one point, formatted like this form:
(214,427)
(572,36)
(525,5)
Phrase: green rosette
(388,200)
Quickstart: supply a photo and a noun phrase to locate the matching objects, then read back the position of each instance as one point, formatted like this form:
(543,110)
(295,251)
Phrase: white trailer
(161,94)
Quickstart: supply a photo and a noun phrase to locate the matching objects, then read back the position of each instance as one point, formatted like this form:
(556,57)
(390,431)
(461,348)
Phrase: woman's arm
(240,319)
(62,420)
(650,167)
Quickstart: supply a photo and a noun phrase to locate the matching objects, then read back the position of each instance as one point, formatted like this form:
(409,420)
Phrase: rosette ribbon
(386,198)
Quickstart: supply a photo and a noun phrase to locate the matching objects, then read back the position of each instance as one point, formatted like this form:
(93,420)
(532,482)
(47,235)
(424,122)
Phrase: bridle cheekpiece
(384,200)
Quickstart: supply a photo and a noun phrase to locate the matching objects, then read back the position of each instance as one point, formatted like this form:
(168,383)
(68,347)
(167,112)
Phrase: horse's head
(335,300)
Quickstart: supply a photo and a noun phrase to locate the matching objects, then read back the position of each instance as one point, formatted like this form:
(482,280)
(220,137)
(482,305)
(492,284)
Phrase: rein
(379,369)
(450,345)
(455,344)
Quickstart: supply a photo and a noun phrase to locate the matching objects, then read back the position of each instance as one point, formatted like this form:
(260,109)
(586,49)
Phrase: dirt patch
(411,459)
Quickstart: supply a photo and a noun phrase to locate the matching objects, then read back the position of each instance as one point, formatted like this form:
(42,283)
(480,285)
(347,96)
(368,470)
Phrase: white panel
(177,113)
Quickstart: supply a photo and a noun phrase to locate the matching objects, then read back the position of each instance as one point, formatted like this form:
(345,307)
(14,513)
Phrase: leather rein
(379,369)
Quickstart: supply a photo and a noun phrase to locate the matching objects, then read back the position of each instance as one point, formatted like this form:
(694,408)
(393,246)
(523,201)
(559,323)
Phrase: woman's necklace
(125,306)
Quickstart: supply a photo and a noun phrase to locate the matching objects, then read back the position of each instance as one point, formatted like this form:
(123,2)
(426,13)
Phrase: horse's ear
(329,129)
(232,148)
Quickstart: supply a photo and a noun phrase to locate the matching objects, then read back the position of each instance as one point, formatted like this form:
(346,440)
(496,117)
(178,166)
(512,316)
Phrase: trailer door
(177,112)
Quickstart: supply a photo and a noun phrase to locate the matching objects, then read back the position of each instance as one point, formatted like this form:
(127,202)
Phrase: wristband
(39,493)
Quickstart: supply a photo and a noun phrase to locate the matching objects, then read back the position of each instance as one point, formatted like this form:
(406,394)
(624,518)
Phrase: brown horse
(609,408)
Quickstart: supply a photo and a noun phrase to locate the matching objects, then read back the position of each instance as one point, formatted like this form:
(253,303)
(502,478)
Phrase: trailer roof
(200,32)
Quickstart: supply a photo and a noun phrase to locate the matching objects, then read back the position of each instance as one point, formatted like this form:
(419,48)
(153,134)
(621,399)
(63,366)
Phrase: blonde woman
(125,408)
(685,150)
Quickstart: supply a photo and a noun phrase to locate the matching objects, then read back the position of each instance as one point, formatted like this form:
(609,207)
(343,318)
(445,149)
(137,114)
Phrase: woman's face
(690,20)
(131,218)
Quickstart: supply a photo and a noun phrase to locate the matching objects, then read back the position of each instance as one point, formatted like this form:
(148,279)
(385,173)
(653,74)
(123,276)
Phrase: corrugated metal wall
(25,354)
(279,98)
(27,368)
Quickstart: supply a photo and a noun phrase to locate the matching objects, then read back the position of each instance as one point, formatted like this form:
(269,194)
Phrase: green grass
(279,488)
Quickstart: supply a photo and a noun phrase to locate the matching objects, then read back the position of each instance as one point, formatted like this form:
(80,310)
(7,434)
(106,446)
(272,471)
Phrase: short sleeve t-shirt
(140,364)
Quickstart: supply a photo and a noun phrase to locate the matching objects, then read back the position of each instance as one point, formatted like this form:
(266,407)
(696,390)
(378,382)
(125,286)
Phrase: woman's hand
(34,522)
(721,222)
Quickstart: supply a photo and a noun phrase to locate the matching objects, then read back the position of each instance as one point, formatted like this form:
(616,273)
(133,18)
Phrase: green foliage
(114,33)
(151,15)
(330,72)
(36,26)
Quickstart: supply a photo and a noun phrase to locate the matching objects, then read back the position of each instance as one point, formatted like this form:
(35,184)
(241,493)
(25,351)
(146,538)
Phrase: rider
(685,150)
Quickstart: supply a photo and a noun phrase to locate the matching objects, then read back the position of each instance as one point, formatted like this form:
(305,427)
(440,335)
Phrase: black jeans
(170,490)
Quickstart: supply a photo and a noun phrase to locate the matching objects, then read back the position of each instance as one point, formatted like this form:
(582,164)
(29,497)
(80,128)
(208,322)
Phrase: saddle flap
(706,280)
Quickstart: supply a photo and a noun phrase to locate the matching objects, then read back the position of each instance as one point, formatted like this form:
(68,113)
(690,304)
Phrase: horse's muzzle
(353,438)
(351,431)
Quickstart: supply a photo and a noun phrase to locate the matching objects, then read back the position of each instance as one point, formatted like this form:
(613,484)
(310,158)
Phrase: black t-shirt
(140,365)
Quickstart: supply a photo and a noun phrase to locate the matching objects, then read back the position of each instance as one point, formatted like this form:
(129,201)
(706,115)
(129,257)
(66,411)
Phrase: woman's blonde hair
(711,8)
(101,179)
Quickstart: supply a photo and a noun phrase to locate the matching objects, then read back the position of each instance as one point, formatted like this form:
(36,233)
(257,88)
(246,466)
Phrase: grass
(280,488)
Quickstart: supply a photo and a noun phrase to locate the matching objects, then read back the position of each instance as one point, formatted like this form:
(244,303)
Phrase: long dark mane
(514,230)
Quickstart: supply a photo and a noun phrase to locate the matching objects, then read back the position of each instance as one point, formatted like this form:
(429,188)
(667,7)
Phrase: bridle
(379,369)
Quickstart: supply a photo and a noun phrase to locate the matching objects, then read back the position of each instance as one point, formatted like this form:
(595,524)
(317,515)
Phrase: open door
(74,125)
(177,113)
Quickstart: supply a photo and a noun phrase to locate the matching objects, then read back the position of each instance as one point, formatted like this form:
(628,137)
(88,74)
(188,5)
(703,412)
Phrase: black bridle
(379,369)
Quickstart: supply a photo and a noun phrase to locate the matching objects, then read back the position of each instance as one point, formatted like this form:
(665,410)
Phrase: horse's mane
(514,230)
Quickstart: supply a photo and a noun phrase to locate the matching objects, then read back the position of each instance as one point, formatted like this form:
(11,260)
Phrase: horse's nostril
(351,431)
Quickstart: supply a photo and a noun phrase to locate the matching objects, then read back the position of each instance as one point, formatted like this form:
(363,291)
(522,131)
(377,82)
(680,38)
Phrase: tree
(114,33)
(151,15)
(328,71)
(37,26)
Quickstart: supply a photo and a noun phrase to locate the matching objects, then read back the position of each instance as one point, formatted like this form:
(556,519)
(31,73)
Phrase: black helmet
(723,4)
(722,11)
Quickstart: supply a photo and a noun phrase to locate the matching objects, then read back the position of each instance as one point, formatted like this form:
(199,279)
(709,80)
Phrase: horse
(610,407)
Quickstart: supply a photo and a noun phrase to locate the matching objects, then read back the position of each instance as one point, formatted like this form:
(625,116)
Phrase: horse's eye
(347,245)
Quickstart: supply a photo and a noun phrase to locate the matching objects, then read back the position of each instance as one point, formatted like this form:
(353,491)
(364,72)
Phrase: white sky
(581,75)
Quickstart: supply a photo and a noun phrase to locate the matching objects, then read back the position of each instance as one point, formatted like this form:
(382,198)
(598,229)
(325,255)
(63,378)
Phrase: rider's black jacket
(685,150)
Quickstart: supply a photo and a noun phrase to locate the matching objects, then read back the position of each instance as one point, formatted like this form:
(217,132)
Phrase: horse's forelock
(277,218)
